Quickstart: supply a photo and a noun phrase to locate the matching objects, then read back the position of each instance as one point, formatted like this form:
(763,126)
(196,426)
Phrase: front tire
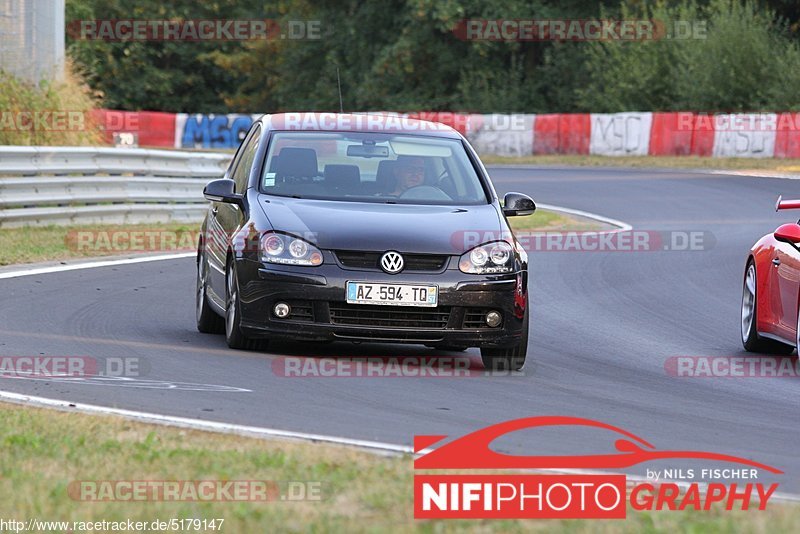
(208,321)
(508,359)
(751,341)
(233,315)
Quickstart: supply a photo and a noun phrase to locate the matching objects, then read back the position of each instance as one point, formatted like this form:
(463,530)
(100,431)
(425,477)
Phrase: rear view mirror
(368,151)
(222,190)
(518,204)
(788,233)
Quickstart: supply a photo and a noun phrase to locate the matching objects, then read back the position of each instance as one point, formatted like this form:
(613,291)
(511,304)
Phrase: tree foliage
(405,55)
(745,60)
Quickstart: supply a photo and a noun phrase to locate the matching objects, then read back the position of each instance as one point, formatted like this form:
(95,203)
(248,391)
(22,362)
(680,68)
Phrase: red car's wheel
(750,339)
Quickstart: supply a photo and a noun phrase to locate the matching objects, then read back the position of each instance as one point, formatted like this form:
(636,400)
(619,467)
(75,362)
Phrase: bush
(745,62)
(68,95)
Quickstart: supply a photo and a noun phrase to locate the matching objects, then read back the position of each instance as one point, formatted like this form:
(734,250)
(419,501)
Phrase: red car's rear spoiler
(787,204)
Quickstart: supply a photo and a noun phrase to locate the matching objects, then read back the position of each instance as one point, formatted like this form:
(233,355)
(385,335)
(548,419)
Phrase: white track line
(759,174)
(200,424)
(375,447)
(621,226)
(92,265)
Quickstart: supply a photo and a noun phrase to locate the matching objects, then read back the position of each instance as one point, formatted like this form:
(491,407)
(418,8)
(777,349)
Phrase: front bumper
(319,294)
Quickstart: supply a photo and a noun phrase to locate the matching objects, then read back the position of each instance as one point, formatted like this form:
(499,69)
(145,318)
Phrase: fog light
(281,310)
(493,319)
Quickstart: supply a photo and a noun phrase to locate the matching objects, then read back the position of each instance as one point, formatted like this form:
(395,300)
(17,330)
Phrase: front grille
(476,318)
(358,260)
(390,316)
(370,260)
(408,336)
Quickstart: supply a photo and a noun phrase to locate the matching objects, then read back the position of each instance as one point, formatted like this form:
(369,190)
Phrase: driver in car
(409,172)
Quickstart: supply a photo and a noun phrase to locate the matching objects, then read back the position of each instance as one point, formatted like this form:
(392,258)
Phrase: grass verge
(44,451)
(54,243)
(685,162)
(553,221)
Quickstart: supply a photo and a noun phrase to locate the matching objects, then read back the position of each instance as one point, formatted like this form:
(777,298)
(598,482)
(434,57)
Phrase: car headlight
(288,250)
(489,258)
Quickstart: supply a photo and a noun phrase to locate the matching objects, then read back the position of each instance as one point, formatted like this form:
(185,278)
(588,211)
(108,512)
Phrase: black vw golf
(362,228)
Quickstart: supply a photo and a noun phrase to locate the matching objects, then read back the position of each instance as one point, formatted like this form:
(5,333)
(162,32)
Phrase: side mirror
(222,190)
(518,204)
(788,233)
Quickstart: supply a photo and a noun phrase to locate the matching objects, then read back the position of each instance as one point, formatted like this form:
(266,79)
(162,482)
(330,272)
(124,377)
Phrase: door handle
(776,262)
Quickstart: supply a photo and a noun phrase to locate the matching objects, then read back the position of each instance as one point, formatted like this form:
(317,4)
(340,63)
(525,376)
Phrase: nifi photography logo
(587,491)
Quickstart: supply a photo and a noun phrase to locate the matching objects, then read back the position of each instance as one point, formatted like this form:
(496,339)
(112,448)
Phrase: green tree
(159,75)
(744,60)
(407,55)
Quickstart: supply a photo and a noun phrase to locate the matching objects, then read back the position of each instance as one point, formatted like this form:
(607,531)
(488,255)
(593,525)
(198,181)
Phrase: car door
(225,218)
(785,287)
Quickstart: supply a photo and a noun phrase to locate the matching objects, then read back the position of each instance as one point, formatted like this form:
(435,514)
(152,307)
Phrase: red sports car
(771,292)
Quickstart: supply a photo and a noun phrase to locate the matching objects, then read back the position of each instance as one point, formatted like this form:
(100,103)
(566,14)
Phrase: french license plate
(392,294)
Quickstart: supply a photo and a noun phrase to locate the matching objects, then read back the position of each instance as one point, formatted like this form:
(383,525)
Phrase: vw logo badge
(392,262)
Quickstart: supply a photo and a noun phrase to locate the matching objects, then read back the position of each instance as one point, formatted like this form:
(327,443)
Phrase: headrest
(342,175)
(297,163)
(385,177)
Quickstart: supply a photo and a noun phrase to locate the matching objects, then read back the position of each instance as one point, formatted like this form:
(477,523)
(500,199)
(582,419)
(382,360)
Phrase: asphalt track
(603,324)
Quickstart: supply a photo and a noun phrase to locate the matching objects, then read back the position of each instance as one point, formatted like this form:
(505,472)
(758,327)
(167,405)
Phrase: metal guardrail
(75,185)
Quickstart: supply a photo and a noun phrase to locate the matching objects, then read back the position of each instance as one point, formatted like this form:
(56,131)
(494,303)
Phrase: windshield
(371,167)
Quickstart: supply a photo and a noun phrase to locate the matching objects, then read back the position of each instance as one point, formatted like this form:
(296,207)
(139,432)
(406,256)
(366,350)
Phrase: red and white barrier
(787,138)
(745,135)
(562,133)
(749,135)
(502,135)
(620,134)
(153,128)
(671,134)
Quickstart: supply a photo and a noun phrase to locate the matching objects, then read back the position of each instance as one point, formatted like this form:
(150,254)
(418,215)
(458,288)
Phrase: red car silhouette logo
(473,451)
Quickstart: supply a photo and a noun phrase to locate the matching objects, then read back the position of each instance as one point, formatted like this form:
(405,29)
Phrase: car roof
(356,122)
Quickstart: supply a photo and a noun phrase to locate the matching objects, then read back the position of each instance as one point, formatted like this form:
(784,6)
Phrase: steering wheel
(424,192)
